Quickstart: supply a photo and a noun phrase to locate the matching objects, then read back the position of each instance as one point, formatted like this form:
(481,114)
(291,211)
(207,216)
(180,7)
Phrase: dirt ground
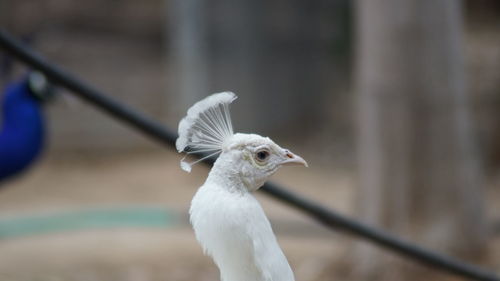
(61,184)
(81,182)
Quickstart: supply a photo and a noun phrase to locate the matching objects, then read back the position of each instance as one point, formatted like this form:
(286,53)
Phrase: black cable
(167,137)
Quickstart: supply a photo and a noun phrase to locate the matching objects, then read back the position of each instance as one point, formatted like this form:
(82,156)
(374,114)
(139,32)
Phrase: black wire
(165,136)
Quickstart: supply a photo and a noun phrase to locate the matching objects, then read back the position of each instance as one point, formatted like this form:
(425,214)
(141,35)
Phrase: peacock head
(207,129)
(254,158)
(40,87)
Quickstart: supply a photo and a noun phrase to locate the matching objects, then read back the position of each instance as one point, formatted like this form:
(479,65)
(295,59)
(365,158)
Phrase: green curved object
(143,217)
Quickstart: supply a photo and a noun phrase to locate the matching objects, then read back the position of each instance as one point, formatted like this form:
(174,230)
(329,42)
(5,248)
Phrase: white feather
(228,221)
(206,127)
(233,229)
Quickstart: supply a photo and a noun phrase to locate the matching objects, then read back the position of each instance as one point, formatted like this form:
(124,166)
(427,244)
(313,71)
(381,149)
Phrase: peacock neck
(21,130)
(20,110)
(228,180)
(227,173)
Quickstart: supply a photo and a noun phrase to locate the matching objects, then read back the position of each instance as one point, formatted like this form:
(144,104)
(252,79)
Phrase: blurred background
(394,104)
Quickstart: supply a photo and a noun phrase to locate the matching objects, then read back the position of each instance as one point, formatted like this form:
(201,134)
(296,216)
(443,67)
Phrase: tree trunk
(418,170)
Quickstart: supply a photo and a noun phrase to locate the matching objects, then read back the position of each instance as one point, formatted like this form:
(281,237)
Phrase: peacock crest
(206,127)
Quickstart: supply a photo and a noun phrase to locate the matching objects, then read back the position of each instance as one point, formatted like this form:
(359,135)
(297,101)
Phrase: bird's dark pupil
(262,155)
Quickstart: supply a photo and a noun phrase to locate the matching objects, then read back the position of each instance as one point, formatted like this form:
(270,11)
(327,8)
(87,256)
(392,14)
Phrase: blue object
(22,130)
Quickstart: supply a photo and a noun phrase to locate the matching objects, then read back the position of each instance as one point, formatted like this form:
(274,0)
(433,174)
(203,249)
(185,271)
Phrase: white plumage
(228,221)
(206,126)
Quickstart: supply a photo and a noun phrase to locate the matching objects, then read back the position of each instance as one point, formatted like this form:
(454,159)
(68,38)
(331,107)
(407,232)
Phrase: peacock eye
(262,155)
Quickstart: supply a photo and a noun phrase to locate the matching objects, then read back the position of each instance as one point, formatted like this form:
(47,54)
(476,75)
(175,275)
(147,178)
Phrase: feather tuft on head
(206,127)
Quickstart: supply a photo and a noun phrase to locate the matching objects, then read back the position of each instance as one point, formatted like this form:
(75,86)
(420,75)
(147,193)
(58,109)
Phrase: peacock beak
(293,159)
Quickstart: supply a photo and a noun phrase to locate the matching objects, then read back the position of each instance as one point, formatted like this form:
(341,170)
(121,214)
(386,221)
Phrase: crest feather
(206,127)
